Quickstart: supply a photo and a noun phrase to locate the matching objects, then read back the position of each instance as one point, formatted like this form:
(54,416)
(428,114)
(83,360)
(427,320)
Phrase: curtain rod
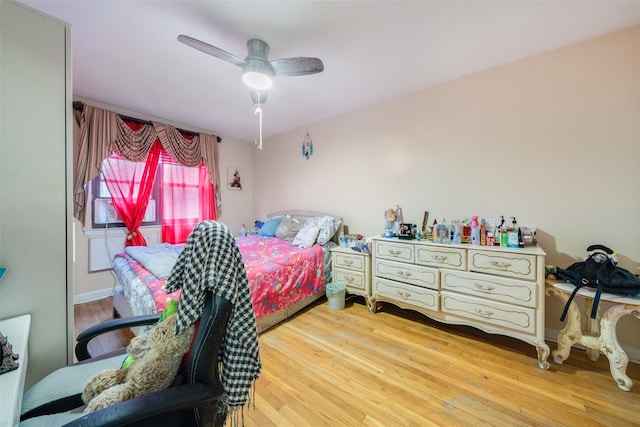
(78,105)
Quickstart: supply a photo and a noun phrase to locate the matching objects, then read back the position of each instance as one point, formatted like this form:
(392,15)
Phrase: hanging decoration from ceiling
(307,146)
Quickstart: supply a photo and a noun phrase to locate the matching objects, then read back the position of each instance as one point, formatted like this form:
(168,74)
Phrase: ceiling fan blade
(297,66)
(211,50)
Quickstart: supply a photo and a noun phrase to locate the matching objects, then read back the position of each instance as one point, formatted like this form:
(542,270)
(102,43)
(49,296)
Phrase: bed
(284,275)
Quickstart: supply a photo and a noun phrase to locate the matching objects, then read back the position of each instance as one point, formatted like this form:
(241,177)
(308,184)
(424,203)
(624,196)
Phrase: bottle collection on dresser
(478,232)
(489,277)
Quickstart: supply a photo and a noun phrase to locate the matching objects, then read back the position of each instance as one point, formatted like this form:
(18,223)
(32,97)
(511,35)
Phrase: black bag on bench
(599,271)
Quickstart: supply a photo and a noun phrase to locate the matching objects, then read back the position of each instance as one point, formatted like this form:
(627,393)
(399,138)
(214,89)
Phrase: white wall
(553,140)
(237,205)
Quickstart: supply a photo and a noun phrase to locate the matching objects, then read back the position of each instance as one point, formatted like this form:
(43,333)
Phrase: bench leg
(618,359)
(571,333)
(591,329)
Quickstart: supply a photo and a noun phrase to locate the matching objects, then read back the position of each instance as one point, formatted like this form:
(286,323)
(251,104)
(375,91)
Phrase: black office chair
(191,401)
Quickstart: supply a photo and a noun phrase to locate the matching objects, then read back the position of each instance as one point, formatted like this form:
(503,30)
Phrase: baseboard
(632,353)
(92,296)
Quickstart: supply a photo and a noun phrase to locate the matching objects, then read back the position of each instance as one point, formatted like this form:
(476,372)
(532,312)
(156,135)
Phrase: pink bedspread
(279,274)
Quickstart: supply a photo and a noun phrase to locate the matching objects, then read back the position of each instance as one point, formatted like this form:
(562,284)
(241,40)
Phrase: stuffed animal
(158,357)
(138,345)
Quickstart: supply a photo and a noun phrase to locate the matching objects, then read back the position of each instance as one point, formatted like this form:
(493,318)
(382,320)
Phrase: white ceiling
(125,52)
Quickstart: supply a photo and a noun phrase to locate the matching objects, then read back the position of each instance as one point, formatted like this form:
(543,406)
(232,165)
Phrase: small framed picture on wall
(234,178)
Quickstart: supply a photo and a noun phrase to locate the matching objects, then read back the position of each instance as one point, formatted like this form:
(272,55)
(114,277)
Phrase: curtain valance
(103,132)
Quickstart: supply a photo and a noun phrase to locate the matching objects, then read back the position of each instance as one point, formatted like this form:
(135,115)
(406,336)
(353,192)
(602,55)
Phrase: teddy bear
(157,358)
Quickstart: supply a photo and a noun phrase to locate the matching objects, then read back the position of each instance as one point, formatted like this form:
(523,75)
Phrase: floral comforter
(279,274)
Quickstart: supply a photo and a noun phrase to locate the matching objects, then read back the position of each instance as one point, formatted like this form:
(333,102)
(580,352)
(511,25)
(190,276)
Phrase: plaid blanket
(211,260)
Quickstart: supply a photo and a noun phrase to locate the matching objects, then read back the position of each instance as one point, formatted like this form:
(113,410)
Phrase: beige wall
(553,140)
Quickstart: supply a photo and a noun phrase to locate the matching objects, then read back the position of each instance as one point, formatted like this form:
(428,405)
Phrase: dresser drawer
(399,251)
(491,312)
(492,287)
(350,261)
(437,256)
(521,266)
(408,273)
(353,279)
(404,293)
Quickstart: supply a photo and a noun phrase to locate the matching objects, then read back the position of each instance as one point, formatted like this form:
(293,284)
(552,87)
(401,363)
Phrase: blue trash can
(336,292)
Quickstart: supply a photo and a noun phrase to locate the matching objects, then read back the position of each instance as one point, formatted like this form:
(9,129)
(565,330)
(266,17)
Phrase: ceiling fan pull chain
(259,111)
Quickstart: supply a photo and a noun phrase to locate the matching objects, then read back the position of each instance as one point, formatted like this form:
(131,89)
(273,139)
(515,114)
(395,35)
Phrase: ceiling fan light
(257,80)
(257,74)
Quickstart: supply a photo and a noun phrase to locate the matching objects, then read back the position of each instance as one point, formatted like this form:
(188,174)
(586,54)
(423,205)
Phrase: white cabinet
(16,330)
(36,229)
(354,270)
(498,290)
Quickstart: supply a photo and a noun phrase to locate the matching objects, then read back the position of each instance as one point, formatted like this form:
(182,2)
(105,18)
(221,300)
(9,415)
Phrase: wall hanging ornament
(307,146)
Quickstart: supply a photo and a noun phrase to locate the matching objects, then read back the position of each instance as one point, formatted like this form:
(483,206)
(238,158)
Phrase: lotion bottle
(512,240)
(456,232)
(503,235)
(475,231)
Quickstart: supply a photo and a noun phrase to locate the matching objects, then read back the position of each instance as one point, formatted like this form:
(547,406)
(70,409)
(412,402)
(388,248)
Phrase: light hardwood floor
(92,313)
(398,368)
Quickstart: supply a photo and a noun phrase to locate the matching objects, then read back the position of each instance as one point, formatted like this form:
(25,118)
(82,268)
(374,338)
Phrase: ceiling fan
(257,70)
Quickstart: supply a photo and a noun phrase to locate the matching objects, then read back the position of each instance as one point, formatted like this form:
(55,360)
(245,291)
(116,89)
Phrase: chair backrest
(201,363)
(202,359)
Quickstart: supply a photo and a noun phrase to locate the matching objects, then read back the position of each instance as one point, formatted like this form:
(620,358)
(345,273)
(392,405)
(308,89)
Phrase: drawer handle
(404,274)
(394,252)
(440,258)
(484,313)
(484,288)
(501,265)
(404,295)
(348,262)
(348,279)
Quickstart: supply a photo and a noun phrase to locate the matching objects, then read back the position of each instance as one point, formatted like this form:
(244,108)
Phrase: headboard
(302,216)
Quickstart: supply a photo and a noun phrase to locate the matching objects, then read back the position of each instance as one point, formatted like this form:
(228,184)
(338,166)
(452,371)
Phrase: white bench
(599,334)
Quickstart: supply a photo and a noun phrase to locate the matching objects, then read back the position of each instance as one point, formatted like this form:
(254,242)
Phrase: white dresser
(354,270)
(495,289)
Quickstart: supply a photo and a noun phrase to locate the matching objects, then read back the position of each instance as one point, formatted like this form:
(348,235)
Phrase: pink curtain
(186,198)
(102,132)
(130,184)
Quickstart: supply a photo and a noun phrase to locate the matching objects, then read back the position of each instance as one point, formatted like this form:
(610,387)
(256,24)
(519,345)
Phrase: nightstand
(354,270)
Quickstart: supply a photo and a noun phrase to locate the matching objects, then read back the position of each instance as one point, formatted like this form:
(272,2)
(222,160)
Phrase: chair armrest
(157,403)
(84,337)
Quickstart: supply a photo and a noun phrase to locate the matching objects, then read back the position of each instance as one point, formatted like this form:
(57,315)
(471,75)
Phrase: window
(186,198)
(104,215)
(181,196)
(180,184)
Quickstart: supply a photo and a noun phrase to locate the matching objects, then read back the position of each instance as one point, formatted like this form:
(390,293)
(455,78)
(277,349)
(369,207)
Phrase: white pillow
(306,237)
(288,228)
(328,226)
